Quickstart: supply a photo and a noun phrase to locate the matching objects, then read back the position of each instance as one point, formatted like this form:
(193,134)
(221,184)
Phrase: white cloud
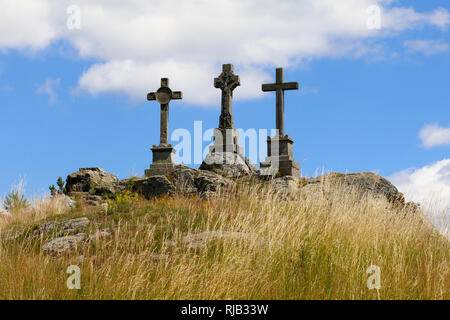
(429,186)
(139,41)
(432,135)
(26,24)
(428,47)
(49,88)
(194,79)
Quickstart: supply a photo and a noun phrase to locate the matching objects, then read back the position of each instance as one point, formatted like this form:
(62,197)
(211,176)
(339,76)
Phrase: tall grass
(260,244)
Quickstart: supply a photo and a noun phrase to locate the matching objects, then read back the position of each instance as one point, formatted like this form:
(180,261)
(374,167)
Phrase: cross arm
(177,95)
(282,86)
(290,86)
(269,87)
(151,96)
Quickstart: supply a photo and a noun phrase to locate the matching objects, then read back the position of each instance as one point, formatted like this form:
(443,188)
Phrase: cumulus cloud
(432,135)
(27,24)
(48,88)
(427,47)
(136,42)
(429,186)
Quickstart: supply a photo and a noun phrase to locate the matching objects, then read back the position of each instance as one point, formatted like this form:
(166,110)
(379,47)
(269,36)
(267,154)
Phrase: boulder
(229,164)
(286,184)
(151,187)
(62,245)
(366,182)
(190,181)
(89,199)
(92,180)
(65,226)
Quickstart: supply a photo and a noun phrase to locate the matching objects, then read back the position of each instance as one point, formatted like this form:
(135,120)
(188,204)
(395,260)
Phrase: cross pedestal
(163,161)
(164,154)
(280,155)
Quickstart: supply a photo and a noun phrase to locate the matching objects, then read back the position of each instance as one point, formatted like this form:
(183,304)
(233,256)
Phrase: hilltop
(201,235)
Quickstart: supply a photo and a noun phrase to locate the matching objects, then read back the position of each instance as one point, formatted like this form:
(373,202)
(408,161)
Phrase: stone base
(226,156)
(163,161)
(280,158)
(226,141)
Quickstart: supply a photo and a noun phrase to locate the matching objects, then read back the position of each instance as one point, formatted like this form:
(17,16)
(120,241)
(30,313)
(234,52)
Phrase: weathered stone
(155,186)
(67,201)
(230,164)
(227,82)
(65,226)
(280,157)
(100,234)
(92,180)
(62,245)
(189,181)
(74,224)
(163,155)
(183,179)
(286,184)
(225,155)
(89,199)
(364,181)
(208,183)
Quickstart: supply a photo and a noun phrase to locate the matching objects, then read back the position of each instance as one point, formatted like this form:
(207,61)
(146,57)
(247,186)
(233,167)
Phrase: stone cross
(280,86)
(227,82)
(163,96)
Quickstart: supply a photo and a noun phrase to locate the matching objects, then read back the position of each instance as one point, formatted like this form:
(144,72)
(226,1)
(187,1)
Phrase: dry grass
(302,248)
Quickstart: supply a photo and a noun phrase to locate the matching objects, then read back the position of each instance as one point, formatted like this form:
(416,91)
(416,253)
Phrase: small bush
(15,201)
(122,203)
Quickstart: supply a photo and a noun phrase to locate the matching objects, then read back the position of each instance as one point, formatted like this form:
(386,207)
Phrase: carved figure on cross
(227,82)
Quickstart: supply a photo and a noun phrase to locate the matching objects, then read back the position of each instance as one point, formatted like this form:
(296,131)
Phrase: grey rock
(286,184)
(67,202)
(65,226)
(183,179)
(100,234)
(189,181)
(208,183)
(229,164)
(62,245)
(89,199)
(92,180)
(74,224)
(154,186)
(366,182)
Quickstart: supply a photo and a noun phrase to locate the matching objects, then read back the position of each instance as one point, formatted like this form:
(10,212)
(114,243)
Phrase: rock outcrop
(65,226)
(92,180)
(363,181)
(229,164)
(61,245)
(90,184)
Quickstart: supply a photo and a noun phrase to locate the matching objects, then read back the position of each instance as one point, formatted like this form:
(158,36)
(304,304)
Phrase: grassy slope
(304,248)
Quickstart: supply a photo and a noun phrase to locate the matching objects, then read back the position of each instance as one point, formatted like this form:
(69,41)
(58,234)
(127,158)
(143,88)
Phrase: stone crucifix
(280,86)
(163,96)
(227,82)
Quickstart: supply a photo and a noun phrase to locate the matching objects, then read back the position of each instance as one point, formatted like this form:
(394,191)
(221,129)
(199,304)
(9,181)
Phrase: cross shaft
(164,95)
(280,86)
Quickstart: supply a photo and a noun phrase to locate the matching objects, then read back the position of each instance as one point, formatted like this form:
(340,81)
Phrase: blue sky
(77,98)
